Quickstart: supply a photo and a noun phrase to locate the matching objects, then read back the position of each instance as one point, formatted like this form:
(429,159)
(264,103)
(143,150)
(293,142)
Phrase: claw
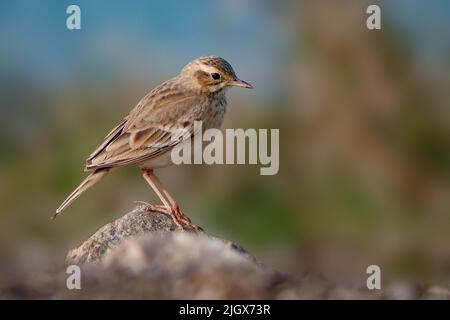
(186,220)
(181,220)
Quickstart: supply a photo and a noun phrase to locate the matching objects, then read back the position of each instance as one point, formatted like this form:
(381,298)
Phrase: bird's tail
(92,179)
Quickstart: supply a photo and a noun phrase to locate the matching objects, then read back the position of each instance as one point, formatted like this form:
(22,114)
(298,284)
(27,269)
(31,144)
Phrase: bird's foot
(186,220)
(153,208)
(182,221)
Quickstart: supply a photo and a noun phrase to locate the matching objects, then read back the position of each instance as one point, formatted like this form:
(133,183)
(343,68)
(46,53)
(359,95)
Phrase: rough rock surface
(175,265)
(141,255)
(142,221)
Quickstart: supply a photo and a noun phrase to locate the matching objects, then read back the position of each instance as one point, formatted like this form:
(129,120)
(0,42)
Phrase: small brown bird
(144,137)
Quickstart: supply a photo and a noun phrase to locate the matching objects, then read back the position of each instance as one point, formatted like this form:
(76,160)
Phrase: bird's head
(212,74)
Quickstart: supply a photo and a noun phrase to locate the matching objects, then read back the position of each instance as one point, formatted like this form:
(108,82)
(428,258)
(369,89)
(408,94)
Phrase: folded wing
(153,127)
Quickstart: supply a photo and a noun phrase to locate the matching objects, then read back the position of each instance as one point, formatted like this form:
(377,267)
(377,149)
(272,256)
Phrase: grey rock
(143,220)
(142,255)
(175,265)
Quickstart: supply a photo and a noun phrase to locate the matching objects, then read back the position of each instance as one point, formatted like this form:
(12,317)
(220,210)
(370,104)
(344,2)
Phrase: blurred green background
(363,116)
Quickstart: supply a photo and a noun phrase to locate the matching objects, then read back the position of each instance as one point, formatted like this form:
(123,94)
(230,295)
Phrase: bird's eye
(215,76)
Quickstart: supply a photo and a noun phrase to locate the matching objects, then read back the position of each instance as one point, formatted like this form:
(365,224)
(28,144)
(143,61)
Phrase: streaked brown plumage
(144,137)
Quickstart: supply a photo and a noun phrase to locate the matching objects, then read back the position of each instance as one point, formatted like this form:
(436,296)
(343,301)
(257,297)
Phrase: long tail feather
(92,179)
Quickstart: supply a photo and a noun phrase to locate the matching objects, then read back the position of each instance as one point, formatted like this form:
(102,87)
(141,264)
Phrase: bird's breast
(215,113)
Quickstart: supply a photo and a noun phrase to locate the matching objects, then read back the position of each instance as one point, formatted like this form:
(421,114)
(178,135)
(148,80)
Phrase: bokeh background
(364,123)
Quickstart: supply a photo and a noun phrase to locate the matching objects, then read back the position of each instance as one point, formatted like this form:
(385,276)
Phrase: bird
(144,138)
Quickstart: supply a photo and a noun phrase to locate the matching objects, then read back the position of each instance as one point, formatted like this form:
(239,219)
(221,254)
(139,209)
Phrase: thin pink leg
(174,205)
(148,176)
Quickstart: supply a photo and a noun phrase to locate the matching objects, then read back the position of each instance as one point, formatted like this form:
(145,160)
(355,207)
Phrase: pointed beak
(241,83)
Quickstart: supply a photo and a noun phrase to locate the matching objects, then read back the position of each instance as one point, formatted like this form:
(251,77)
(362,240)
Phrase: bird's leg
(174,205)
(154,207)
(172,201)
(148,176)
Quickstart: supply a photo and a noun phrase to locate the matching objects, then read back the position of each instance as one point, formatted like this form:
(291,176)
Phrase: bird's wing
(157,124)
(108,139)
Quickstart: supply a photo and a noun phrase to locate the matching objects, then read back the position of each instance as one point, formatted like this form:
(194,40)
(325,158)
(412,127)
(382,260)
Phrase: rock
(137,223)
(176,265)
(142,255)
